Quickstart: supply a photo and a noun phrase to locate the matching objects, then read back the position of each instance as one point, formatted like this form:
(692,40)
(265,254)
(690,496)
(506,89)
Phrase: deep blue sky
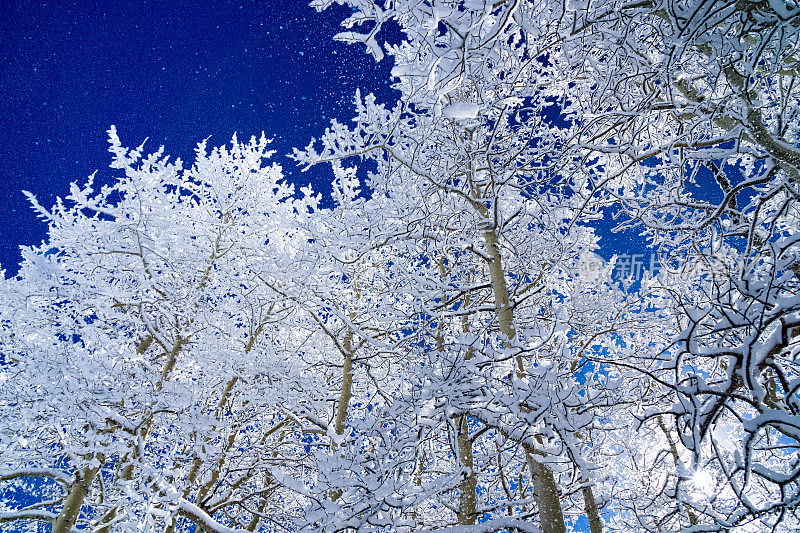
(173,72)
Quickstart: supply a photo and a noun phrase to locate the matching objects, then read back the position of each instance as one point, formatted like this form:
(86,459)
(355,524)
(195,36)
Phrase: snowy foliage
(204,348)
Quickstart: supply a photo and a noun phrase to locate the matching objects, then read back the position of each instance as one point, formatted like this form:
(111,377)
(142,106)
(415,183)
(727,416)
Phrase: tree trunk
(345,393)
(467,506)
(77,493)
(595,525)
(347,385)
(545,491)
(505,315)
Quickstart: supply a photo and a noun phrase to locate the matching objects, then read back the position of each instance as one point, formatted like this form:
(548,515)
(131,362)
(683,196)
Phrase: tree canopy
(206,348)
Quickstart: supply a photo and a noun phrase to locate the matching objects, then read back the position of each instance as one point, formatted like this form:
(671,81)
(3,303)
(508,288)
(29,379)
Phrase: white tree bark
(77,494)
(544,485)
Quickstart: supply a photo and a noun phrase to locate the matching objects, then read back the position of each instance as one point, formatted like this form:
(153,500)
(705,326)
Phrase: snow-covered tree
(693,121)
(143,351)
(682,117)
(203,348)
(463,182)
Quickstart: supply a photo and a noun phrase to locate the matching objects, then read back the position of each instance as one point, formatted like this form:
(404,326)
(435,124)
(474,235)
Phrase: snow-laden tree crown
(207,349)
